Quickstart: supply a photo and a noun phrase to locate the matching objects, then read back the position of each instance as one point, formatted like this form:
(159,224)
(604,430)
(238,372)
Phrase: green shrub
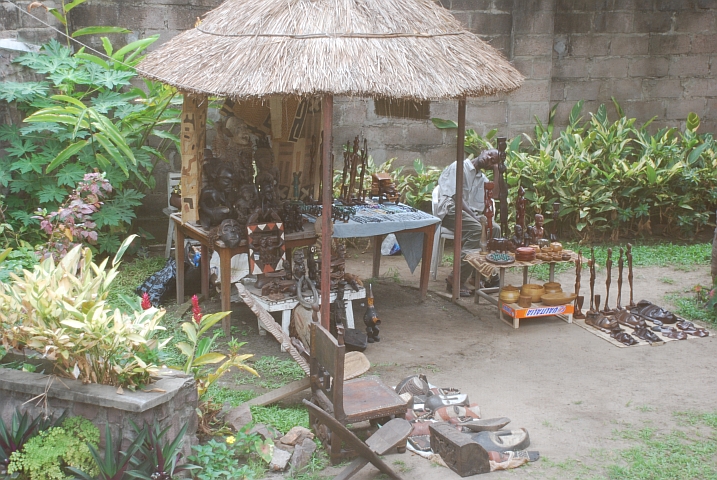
(45,456)
(84,115)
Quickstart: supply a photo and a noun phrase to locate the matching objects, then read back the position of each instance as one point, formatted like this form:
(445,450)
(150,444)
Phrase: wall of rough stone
(174,406)
(656,57)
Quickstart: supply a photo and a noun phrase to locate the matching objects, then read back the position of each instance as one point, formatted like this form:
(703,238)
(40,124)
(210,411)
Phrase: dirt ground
(570,389)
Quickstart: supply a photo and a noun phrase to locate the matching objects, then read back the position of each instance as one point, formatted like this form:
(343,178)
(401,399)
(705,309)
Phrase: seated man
(472,205)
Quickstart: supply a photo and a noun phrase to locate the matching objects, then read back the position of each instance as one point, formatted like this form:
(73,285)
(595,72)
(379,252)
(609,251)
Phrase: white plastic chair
(173,179)
(439,240)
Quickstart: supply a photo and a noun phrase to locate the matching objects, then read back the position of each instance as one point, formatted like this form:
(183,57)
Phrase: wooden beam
(327,110)
(460,156)
(193,141)
(280,393)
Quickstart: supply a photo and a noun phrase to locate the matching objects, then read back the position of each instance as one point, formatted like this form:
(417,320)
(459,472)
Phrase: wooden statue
(620,264)
(629,272)
(536,232)
(370,318)
(592,279)
(608,280)
(489,211)
(217,198)
(503,187)
(578,274)
(382,186)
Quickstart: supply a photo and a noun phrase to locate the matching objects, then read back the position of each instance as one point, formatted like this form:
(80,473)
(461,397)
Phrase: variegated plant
(60,310)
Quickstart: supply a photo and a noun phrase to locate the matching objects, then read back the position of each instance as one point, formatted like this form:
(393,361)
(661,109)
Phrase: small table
(196,232)
(486,269)
(286,305)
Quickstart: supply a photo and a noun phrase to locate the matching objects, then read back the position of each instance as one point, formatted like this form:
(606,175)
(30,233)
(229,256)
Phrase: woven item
(355,364)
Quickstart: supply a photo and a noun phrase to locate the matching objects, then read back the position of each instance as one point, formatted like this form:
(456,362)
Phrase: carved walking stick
(520,212)
(608,280)
(629,272)
(503,189)
(620,265)
(578,273)
(592,279)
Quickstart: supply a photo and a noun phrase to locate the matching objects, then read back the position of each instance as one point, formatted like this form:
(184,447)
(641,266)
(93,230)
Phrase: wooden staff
(364,158)
(503,189)
(608,280)
(489,211)
(620,265)
(629,272)
(592,279)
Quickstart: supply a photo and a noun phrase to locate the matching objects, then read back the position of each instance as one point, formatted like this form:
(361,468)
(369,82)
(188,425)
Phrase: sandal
(654,313)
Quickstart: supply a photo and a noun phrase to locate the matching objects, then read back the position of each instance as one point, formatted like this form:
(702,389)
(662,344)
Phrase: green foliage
(416,189)
(159,456)
(221,395)
(222,459)
(22,428)
(60,310)
(85,115)
(283,419)
(45,455)
(613,177)
(115,462)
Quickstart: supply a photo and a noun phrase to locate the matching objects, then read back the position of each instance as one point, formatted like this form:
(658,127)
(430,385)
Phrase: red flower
(146,304)
(698,288)
(196,310)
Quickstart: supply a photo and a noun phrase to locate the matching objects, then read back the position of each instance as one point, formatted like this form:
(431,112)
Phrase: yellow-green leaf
(212,357)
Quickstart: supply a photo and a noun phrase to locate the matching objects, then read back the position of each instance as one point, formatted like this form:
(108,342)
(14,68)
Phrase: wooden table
(196,232)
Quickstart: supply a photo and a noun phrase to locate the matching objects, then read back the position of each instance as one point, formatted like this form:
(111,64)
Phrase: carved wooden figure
(592,279)
(556,213)
(608,280)
(629,272)
(620,265)
(489,211)
(520,209)
(578,275)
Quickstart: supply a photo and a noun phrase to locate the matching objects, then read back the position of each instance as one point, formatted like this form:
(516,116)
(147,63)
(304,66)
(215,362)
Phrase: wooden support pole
(327,110)
(193,141)
(460,156)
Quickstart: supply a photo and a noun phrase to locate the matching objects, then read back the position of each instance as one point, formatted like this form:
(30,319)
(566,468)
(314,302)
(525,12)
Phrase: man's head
(487,158)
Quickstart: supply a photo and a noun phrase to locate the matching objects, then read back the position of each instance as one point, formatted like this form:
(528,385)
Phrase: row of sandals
(636,317)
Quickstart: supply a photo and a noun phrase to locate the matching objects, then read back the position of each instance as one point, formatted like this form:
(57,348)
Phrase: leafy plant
(60,310)
(22,428)
(86,114)
(45,455)
(198,350)
(416,189)
(115,463)
(159,456)
(220,460)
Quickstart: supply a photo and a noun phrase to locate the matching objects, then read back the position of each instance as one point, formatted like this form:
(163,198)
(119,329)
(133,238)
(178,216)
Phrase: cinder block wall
(656,57)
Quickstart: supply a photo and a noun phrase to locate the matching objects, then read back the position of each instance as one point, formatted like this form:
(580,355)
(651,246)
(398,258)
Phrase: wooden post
(460,156)
(193,140)
(327,110)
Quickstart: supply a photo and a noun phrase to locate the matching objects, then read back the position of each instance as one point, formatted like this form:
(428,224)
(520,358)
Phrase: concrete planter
(173,402)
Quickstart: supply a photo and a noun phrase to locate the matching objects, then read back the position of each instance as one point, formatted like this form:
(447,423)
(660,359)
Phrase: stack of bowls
(524,254)
(509,294)
(552,287)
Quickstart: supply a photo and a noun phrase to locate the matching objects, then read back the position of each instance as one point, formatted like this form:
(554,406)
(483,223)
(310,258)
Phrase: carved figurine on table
(518,237)
(338,308)
(234,143)
(500,245)
(246,203)
(291,215)
(536,232)
(338,265)
(229,232)
(296,184)
(299,267)
(267,208)
(370,318)
(217,198)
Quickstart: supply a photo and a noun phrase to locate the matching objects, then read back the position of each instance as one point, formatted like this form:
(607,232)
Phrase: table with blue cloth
(413,228)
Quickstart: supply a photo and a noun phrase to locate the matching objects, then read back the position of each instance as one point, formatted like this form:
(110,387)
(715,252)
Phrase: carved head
(518,231)
(539,220)
(230,232)
(247,192)
(238,131)
(224,177)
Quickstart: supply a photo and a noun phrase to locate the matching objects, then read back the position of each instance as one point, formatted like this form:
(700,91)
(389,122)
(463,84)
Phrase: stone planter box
(173,403)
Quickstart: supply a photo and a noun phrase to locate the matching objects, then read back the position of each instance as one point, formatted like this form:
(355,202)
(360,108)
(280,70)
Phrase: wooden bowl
(536,248)
(525,301)
(534,290)
(509,296)
(556,246)
(511,287)
(552,287)
(562,298)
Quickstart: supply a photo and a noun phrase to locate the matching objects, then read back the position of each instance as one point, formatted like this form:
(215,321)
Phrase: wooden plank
(458,450)
(192,143)
(280,393)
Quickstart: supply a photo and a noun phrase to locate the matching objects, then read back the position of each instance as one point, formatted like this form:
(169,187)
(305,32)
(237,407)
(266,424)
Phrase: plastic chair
(173,179)
(439,240)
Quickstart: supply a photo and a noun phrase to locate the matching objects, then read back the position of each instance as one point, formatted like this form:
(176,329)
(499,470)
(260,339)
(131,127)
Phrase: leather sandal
(626,318)
(624,338)
(673,333)
(646,334)
(654,313)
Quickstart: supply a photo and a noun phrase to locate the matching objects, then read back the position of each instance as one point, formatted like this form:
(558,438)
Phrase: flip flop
(503,440)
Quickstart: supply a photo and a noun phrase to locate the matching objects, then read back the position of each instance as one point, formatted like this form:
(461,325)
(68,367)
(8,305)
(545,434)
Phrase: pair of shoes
(449,288)
(492,282)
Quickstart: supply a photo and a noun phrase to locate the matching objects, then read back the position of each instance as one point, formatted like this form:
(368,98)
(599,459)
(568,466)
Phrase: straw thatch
(375,48)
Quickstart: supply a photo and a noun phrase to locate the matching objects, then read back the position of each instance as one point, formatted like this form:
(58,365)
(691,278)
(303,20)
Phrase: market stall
(266,57)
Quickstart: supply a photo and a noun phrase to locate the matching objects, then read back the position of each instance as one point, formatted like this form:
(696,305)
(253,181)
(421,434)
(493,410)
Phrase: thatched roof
(374,48)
